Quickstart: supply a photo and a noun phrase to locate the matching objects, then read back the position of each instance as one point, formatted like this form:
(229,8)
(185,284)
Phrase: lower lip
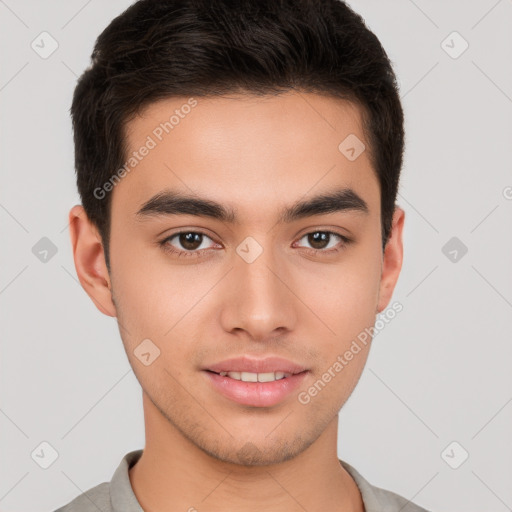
(257,394)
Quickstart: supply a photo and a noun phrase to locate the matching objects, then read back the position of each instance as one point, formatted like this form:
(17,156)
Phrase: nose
(259,298)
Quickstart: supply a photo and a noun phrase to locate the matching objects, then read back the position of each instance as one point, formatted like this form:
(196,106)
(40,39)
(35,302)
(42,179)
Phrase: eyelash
(198,253)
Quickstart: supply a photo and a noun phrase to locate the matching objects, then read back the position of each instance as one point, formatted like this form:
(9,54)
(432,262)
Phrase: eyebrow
(168,202)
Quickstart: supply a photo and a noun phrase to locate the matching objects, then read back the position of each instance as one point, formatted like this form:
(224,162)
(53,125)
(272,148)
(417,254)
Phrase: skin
(203,450)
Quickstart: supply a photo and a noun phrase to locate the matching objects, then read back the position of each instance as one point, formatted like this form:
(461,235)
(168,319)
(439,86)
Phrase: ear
(392,260)
(90,260)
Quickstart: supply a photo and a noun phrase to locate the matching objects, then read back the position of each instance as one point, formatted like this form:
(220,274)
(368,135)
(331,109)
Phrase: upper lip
(247,364)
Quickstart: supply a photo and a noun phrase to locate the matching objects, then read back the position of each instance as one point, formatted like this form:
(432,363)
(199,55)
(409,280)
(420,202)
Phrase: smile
(256,377)
(255,389)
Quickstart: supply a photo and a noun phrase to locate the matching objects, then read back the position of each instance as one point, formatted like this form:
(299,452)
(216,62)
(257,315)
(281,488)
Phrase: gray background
(439,372)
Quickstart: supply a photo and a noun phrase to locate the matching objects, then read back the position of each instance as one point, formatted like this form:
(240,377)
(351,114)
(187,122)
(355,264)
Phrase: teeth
(256,377)
(266,377)
(248,377)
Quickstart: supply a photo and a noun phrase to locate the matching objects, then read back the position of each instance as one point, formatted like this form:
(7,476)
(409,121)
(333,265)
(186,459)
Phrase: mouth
(255,389)
(256,377)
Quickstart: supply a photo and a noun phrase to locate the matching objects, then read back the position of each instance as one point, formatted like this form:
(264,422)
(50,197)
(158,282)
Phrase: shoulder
(393,502)
(96,498)
(376,499)
(116,495)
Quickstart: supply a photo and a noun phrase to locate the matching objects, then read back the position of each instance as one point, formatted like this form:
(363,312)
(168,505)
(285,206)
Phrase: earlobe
(89,260)
(392,260)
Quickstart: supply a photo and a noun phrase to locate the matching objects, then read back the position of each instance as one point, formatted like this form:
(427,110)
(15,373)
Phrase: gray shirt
(118,496)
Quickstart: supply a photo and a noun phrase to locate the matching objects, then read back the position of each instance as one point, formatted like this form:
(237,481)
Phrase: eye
(325,241)
(190,243)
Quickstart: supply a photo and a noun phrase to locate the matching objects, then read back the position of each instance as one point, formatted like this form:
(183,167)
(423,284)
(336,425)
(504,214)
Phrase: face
(262,269)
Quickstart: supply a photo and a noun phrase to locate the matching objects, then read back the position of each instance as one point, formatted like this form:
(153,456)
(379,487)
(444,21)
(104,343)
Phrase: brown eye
(325,241)
(190,241)
(186,243)
(319,239)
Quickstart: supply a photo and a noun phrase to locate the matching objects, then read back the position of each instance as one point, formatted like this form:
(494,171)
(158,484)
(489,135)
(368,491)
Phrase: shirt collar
(370,500)
(122,497)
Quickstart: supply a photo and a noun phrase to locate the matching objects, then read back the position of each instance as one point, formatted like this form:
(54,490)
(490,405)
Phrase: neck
(174,474)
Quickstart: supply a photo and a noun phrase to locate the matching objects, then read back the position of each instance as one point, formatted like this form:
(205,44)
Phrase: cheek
(160,300)
(141,295)
(345,294)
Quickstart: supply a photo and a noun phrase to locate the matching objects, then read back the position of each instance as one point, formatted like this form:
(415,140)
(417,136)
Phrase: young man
(238,164)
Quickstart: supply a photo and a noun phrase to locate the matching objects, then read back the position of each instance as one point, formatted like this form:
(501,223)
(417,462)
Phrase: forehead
(248,150)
